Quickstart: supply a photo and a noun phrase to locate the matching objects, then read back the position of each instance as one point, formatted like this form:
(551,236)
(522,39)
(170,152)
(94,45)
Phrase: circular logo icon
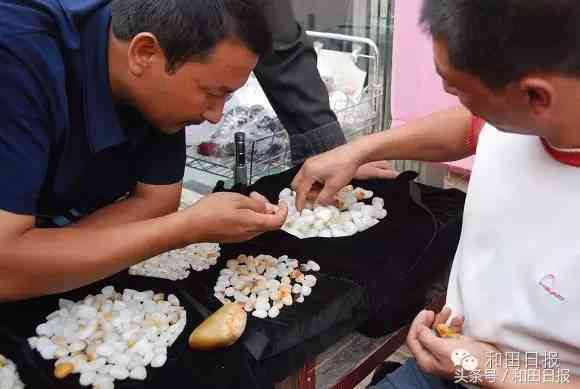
(461,358)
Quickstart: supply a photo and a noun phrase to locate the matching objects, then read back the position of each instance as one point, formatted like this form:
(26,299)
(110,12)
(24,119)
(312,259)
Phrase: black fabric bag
(395,262)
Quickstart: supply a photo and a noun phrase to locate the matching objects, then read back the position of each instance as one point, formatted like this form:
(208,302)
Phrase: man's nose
(215,112)
(213,117)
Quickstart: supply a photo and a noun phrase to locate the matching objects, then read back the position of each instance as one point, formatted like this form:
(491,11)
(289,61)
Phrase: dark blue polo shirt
(64,143)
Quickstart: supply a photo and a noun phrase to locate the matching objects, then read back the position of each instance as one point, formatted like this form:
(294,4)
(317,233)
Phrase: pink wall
(416,89)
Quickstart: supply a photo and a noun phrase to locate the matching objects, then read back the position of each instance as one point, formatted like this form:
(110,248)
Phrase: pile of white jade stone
(265,284)
(9,378)
(176,265)
(349,216)
(110,336)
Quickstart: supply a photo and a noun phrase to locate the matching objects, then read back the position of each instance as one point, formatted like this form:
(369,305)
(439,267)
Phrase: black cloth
(334,300)
(395,261)
(231,368)
(334,310)
(291,81)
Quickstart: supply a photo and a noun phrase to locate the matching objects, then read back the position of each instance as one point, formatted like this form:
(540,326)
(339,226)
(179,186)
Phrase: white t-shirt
(516,273)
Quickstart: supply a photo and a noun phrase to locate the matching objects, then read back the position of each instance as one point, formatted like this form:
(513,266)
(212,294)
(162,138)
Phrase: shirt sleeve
(292,83)
(24,135)
(473,134)
(161,158)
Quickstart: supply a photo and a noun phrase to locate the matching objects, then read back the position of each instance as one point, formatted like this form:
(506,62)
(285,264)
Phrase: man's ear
(144,51)
(539,94)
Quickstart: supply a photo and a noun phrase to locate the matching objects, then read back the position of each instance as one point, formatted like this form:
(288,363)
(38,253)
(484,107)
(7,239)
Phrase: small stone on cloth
(264,284)
(176,264)
(348,217)
(111,336)
(9,378)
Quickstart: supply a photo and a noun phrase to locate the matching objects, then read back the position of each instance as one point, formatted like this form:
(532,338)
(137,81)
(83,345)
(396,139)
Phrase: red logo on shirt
(548,282)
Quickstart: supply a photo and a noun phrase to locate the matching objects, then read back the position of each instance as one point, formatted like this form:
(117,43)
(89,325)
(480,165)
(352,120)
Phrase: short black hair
(501,41)
(190,29)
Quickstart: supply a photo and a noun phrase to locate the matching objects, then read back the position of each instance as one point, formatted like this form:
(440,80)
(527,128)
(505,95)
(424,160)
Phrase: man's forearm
(131,210)
(143,205)
(44,261)
(290,78)
(440,137)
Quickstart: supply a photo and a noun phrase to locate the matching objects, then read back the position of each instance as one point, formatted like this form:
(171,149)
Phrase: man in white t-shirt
(514,290)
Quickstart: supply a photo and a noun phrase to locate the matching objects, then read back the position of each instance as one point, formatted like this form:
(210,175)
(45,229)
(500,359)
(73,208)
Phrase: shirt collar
(101,119)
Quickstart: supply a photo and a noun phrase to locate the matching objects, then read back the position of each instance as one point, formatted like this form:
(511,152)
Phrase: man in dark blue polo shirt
(94,95)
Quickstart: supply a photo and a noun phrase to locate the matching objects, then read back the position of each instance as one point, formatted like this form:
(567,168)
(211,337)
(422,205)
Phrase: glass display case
(353,42)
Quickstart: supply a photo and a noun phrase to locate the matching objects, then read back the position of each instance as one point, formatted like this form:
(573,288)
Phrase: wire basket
(358,112)
(267,155)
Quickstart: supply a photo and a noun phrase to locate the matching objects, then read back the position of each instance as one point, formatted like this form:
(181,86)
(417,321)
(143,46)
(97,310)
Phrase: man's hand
(231,217)
(433,354)
(328,172)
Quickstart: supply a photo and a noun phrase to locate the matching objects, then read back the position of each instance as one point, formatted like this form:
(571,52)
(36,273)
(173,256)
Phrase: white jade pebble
(264,285)
(86,312)
(43,330)
(103,382)
(159,360)
(249,306)
(273,312)
(313,265)
(106,350)
(119,372)
(77,346)
(330,221)
(138,373)
(338,232)
(173,300)
(46,348)
(9,378)
(230,291)
(319,224)
(324,214)
(309,280)
(226,272)
(292,231)
(87,378)
(306,220)
(114,336)
(108,291)
(274,284)
(262,305)
(33,342)
(61,352)
(260,314)
(285,193)
(350,228)
(309,233)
